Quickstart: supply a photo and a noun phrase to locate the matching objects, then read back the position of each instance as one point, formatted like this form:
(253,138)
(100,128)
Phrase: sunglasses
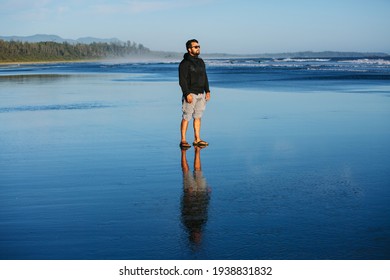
(196,47)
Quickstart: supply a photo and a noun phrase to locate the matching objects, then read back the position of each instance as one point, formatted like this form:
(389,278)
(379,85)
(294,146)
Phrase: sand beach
(90,167)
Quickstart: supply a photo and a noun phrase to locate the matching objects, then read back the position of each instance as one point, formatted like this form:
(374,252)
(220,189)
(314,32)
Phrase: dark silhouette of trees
(16,51)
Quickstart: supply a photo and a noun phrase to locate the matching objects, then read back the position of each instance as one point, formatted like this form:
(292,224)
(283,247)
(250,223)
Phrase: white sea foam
(368,61)
(303,60)
(234,63)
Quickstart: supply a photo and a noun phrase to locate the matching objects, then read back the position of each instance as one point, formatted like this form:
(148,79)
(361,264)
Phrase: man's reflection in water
(196,196)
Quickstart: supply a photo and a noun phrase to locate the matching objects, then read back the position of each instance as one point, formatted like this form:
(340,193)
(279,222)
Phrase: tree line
(16,51)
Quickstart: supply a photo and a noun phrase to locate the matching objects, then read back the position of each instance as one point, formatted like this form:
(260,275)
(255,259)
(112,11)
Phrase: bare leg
(197,125)
(183,129)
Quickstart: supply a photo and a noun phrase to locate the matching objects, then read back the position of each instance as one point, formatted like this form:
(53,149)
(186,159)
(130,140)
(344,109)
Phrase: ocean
(298,165)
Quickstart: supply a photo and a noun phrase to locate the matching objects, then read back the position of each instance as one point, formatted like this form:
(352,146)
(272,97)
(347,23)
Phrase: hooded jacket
(192,75)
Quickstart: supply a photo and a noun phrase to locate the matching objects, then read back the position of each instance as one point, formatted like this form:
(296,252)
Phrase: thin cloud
(40,9)
(16,5)
(33,10)
(139,7)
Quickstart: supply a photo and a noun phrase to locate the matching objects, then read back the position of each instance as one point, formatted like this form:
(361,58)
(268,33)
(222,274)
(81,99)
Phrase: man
(195,87)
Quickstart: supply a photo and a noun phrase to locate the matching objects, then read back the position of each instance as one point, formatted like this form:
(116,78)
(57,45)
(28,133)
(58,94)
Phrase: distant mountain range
(54,38)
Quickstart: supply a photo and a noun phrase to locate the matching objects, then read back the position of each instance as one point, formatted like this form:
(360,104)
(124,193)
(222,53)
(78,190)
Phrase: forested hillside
(16,51)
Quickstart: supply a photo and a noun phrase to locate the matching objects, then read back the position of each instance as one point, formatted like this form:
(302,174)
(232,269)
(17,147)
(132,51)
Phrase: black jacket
(192,75)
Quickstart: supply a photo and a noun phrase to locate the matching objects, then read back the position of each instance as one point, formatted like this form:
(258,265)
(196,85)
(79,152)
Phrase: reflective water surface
(90,168)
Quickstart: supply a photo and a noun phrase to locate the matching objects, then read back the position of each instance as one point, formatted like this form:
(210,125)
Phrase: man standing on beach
(195,87)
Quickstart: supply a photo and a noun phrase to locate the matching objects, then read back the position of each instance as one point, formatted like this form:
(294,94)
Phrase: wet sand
(91,168)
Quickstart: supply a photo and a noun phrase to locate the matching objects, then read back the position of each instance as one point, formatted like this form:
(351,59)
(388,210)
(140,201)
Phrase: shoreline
(46,62)
(107,60)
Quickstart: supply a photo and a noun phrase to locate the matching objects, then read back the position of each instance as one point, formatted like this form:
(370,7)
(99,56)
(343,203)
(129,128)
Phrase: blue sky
(245,26)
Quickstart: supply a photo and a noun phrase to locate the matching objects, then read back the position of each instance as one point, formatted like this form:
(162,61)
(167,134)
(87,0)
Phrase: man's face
(195,49)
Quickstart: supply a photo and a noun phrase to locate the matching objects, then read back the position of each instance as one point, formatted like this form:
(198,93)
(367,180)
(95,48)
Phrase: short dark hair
(189,43)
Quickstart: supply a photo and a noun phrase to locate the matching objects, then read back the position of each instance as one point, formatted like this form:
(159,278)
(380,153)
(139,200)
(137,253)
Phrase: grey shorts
(194,109)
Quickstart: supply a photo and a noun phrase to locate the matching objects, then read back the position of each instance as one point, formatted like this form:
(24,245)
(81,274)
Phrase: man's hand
(207,96)
(189,98)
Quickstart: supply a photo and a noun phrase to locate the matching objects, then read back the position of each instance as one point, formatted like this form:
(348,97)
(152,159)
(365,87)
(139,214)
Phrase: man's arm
(183,77)
(206,86)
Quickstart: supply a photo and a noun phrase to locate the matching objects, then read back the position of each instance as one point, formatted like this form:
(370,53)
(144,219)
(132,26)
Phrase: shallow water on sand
(90,168)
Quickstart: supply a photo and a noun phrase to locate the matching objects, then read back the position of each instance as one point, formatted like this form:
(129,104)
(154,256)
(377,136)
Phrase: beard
(195,53)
